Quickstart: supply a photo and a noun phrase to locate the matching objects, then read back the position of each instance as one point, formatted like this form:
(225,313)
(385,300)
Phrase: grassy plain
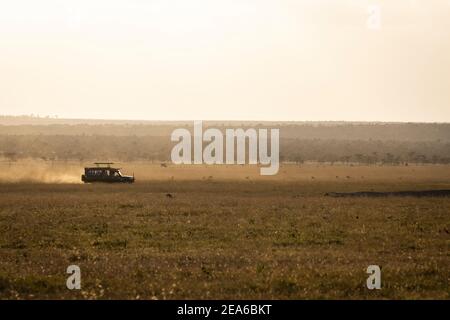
(224,232)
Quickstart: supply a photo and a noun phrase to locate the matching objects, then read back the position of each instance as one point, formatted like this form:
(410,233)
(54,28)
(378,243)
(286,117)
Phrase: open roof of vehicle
(98,164)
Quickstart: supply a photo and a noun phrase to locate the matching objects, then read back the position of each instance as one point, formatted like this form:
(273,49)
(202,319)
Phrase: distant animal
(169,195)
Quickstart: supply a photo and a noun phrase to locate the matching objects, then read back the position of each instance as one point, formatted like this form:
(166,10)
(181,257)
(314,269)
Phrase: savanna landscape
(223,231)
(249,151)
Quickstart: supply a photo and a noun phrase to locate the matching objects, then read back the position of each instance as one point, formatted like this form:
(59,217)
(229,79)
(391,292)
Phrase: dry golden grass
(226,233)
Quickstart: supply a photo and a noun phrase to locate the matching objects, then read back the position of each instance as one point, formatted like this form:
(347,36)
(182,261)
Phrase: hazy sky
(226,59)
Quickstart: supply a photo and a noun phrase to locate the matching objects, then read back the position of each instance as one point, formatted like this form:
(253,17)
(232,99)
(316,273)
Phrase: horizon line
(57,118)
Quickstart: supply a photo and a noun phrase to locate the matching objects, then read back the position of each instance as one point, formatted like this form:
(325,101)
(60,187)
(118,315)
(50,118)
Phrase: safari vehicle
(103,172)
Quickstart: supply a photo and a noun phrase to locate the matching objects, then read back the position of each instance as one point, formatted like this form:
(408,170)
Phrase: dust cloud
(39,172)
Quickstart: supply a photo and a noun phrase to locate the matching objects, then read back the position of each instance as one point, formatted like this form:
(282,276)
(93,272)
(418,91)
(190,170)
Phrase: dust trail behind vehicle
(39,172)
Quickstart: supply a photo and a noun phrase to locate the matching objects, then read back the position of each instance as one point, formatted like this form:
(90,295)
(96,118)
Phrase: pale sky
(226,59)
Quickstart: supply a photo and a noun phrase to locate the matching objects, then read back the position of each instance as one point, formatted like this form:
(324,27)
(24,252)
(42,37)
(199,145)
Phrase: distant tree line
(157,148)
(50,138)
(294,130)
